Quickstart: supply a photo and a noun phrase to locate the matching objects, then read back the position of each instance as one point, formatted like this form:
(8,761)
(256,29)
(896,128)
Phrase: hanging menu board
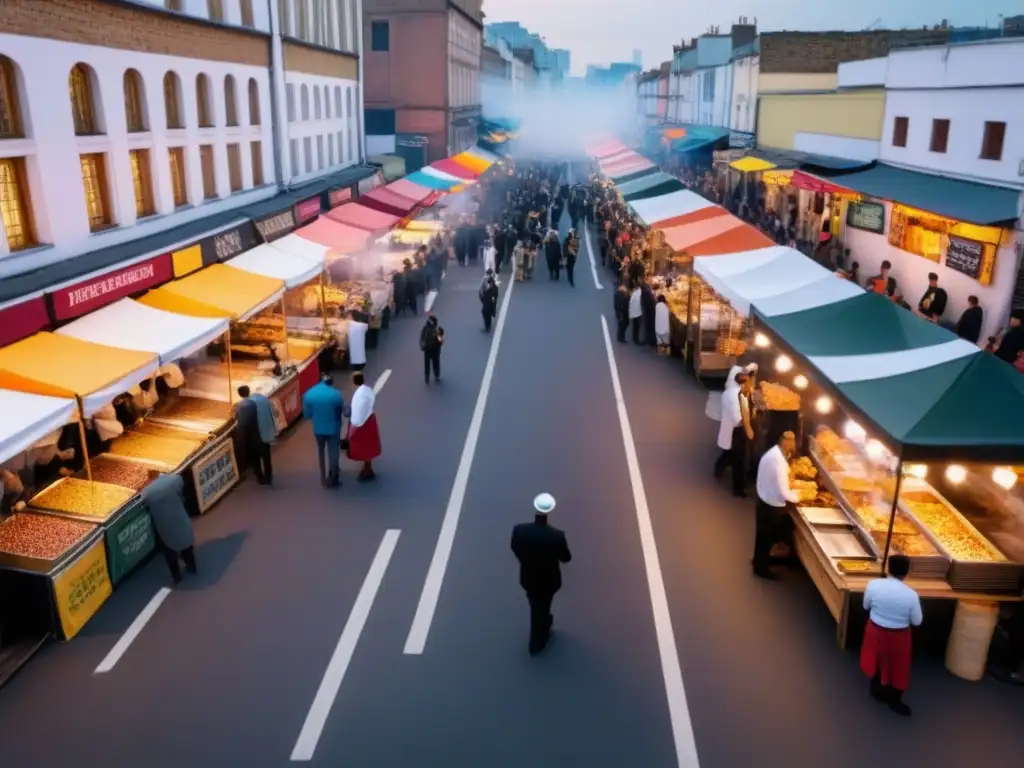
(965,256)
(866,216)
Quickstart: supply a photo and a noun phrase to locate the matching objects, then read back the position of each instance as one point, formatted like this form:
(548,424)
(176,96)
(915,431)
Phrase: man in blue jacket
(324,406)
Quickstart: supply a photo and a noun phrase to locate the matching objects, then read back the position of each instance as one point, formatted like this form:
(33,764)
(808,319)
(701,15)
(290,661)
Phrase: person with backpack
(431,341)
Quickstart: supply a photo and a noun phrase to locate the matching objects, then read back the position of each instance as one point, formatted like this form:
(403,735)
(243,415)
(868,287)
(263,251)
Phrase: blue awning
(430,181)
(960,200)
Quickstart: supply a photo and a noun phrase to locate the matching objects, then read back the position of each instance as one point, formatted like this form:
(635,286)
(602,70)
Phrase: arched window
(134,103)
(83,104)
(317,110)
(172,100)
(10,113)
(230,100)
(203,101)
(304,99)
(254,102)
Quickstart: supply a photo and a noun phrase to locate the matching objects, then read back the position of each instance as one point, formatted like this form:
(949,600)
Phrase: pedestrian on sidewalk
(885,655)
(775,499)
(358,327)
(553,254)
(489,300)
(324,406)
(648,305)
(662,325)
(165,499)
(363,433)
(636,312)
(431,341)
(621,303)
(254,417)
(490,255)
(540,549)
(571,248)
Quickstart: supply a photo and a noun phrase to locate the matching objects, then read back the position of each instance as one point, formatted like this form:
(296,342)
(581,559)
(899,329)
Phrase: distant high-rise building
(638,58)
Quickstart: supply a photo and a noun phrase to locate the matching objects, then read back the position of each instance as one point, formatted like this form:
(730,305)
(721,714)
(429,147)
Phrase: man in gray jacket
(165,498)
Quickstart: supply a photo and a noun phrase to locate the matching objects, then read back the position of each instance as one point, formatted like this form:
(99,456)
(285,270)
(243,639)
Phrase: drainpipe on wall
(358,35)
(278,102)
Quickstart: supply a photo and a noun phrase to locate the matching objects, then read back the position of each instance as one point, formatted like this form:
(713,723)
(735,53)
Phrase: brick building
(422,72)
(128,128)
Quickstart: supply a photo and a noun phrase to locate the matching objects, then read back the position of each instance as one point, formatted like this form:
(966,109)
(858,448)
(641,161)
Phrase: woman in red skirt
(363,434)
(893,608)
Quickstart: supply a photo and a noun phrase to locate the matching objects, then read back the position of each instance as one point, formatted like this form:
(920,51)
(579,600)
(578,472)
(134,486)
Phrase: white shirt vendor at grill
(774,497)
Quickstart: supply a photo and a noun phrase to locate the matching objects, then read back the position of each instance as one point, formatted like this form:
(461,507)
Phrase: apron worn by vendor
(885,654)
(363,433)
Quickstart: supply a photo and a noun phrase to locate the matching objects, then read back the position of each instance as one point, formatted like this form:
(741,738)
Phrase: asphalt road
(226,671)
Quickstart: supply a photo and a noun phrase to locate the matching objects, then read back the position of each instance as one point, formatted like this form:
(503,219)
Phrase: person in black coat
(621,312)
(648,303)
(489,300)
(968,327)
(553,254)
(540,549)
(571,248)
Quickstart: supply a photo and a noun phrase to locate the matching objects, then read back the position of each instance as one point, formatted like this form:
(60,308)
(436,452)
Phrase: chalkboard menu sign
(965,256)
(868,216)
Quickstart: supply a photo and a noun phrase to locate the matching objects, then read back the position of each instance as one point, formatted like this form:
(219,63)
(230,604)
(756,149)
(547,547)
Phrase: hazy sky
(602,31)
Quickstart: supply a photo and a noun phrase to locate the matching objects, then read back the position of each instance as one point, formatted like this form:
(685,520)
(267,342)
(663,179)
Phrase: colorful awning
(361,217)
(452,168)
(217,291)
(436,182)
(326,233)
(384,200)
(471,162)
(658,209)
(29,418)
(751,165)
(411,190)
(715,235)
(271,262)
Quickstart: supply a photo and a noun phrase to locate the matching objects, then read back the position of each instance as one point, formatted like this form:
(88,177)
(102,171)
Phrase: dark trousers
(259,457)
(328,453)
(488,316)
(540,619)
(410,302)
(554,272)
(738,457)
(570,268)
(637,323)
(623,322)
(432,359)
(171,556)
(772,525)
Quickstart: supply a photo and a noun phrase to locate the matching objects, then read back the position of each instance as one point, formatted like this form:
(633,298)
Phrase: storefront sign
(20,320)
(278,225)
(338,196)
(289,403)
(89,295)
(129,541)
(81,588)
(965,256)
(866,216)
(228,244)
(187,260)
(307,209)
(777,178)
(215,474)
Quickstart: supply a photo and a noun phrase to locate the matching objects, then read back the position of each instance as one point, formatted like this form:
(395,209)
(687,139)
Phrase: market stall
(419,194)
(917,438)
(451,168)
(649,186)
(322,239)
(436,182)
(630,176)
(387,201)
(653,211)
(472,162)
(363,217)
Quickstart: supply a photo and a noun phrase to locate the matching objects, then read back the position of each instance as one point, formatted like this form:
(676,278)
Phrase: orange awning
(711,212)
(743,238)
(682,238)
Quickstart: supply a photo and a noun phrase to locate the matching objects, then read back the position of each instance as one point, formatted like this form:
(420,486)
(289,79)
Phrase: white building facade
(745,68)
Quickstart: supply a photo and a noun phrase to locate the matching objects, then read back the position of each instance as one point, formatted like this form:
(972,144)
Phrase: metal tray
(824,516)
(840,544)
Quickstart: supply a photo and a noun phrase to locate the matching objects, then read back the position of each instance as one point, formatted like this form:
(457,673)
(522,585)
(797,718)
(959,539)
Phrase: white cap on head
(544,503)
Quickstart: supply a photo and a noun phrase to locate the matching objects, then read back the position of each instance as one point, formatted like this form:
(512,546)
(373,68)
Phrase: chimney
(742,34)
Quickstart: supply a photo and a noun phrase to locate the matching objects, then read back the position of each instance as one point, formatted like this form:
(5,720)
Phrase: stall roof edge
(297,194)
(787,159)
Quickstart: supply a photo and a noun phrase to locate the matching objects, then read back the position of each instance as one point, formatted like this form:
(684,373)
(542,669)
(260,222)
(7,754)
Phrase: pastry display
(148,427)
(732,347)
(126,474)
(41,536)
(828,440)
(805,490)
(956,536)
(167,452)
(74,496)
(802,469)
(825,499)
(779,398)
(877,519)
(858,566)
(854,484)
(914,545)
(189,416)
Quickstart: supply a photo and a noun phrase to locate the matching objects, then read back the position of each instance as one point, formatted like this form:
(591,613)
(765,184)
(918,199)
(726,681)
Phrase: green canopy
(862,325)
(971,409)
(634,175)
(663,188)
(642,183)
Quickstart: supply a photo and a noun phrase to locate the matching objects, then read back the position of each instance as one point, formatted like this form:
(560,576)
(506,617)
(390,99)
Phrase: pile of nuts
(126,474)
(73,496)
(40,536)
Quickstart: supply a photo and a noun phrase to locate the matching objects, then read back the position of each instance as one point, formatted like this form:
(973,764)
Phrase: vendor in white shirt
(357,341)
(893,608)
(774,495)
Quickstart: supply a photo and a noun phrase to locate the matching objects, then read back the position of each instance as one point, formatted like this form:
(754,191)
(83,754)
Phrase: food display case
(718,333)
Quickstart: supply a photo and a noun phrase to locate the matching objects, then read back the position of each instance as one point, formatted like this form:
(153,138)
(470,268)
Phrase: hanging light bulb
(783,364)
(760,340)
(875,449)
(920,471)
(800,382)
(1004,477)
(823,404)
(956,474)
(853,430)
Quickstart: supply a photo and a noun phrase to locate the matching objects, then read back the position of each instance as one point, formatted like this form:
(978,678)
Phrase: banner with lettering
(81,588)
(89,295)
(215,474)
(276,225)
(307,209)
(338,197)
(129,540)
(228,244)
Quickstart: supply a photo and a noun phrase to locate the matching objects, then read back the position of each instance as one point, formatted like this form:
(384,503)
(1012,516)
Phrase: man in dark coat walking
(540,549)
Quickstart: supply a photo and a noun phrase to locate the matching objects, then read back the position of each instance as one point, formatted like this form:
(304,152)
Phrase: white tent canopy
(789,270)
(297,245)
(828,290)
(127,324)
(655,209)
(442,175)
(844,369)
(271,262)
(29,418)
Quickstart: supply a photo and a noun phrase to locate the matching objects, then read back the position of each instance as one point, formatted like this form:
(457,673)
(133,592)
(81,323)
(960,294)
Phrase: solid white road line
(132,632)
(590,252)
(331,683)
(428,302)
(417,639)
(378,385)
(679,712)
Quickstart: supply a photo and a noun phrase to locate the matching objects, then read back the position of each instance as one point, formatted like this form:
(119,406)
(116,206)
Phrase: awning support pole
(81,436)
(227,347)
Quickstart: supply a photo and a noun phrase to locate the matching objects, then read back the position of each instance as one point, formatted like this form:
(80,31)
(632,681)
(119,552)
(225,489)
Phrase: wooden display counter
(967,650)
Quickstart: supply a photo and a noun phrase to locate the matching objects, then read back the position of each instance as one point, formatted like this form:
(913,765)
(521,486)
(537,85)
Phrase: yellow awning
(63,366)
(472,162)
(778,178)
(217,291)
(412,236)
(425,225)
(748,164)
